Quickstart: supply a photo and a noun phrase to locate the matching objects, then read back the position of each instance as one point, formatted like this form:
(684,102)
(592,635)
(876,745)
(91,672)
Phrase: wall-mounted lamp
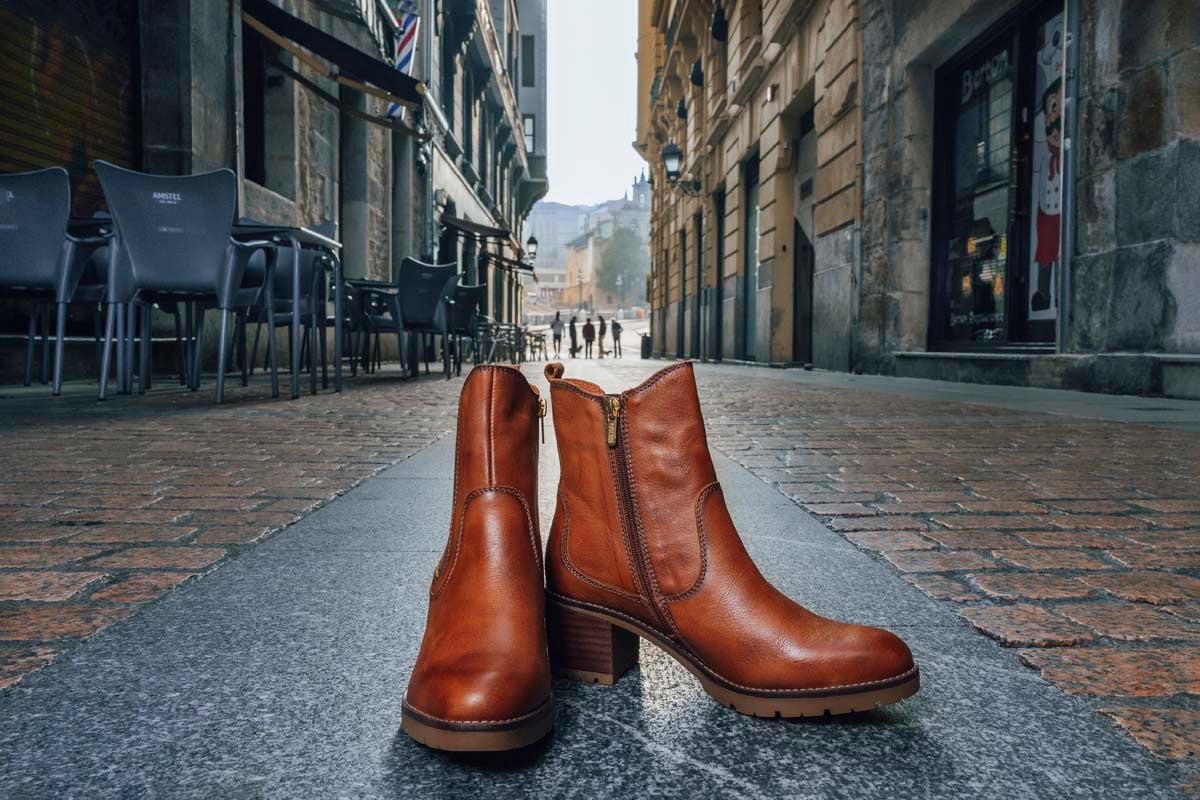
(672,158)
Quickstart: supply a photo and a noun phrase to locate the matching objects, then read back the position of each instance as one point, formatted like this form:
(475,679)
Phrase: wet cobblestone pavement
(107,506)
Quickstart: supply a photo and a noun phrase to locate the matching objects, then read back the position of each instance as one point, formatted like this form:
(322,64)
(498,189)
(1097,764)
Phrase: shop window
(999,188)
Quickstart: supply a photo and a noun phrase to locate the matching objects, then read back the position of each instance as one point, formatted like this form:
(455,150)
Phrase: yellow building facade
(753,244)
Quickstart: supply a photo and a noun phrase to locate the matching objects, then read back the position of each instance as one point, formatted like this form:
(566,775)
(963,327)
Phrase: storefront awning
(474,228)
(347,65)
(510,264)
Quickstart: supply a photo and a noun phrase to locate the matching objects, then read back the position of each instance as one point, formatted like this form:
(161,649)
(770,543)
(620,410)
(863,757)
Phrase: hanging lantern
(720,25)
(672,158)
(697,75)
(681,110)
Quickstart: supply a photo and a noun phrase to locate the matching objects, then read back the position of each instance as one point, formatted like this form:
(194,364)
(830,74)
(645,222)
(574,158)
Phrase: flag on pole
(406,41)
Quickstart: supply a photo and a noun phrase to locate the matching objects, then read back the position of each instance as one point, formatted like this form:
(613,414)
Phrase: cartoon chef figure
(1049,195)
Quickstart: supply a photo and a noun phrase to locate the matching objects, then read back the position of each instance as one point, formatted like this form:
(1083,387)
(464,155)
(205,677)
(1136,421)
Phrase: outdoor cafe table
(296,238)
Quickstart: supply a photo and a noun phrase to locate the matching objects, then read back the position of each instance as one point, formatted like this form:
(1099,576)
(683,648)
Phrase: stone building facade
(927,188)
(185,86)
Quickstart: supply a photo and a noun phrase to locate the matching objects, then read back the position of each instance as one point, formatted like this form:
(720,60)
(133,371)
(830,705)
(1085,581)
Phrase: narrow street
(1056,524)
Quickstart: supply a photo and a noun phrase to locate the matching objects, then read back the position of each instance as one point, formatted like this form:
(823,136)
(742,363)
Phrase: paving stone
(44,556)
(1158,559)
(1172,520)
(1148,587)
(841,509)
(1167,539)
(1013,522)
(230,534)
(44,622)
(1029,586)
(44,586)
(876,523)
(140,587)
(1169,733)
(889,540)
(134,533)
(1038,559)
(1153,672)
(922,561)
(1025,626)
(974,539)
(944,587)
(1064,539)
(34,533)
(1129,622)
(18,661)
(188,558)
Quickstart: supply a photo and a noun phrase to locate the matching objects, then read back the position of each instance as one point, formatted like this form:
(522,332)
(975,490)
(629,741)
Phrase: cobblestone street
(105,507)
(1069,536)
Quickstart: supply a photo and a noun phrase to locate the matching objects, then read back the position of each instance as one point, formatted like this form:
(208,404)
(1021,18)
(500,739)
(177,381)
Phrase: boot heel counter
(553,561)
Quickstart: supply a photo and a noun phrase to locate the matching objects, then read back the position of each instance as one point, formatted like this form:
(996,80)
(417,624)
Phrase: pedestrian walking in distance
(574,336)
(603,333)
(556,328)
(616,332)
(589,336)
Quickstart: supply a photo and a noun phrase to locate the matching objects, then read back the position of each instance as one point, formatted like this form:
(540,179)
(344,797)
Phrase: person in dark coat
(616,333)
(589,336)
(603,333)
(574,336)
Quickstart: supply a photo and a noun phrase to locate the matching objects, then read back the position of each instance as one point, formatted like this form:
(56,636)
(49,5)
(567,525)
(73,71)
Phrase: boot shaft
(635,472)
(497,437)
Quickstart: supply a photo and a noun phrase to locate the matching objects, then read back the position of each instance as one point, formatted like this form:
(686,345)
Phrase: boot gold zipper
(626,515)
(612,416)
(542,417)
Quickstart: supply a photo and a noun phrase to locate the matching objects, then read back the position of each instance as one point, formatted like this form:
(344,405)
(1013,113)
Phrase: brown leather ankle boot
(482,677)
(642,543)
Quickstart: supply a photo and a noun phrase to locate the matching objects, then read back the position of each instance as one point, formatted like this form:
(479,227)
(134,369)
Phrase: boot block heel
(587,648)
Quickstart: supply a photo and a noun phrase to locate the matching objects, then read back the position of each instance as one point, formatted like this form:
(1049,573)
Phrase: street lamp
(531,248)
(672,158)
(580,308)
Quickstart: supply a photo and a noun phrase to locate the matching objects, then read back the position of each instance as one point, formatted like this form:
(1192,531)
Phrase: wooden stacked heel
(588,648)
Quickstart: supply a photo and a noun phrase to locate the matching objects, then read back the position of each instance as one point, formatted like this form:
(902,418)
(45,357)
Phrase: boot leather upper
(704,591)
(484,655)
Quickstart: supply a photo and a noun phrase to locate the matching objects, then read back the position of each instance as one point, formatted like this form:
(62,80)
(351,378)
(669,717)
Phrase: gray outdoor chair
(458,320)
(39,260)
(409,307)
(174,244)
(314,297)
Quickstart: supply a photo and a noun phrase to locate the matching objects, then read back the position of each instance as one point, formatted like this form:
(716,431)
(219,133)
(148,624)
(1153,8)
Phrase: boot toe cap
(872,655)
(475,696)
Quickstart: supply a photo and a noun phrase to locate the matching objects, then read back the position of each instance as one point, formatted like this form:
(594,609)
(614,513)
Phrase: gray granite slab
(281,676)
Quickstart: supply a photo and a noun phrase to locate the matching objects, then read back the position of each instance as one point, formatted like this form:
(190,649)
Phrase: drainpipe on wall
(1071,125)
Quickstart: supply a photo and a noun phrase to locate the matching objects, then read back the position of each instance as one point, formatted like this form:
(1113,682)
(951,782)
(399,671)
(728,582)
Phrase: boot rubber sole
(596,645)
(477,737)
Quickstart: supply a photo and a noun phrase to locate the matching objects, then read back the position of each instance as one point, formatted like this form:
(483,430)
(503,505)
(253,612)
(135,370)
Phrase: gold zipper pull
(542,417)
(612,407)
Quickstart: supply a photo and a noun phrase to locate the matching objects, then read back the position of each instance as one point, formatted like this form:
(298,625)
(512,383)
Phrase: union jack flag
(406,41)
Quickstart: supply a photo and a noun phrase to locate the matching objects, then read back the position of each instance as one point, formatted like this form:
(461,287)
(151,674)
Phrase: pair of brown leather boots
(642,546)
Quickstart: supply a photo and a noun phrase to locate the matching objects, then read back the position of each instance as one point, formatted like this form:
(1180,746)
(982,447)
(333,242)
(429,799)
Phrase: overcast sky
(593,87)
